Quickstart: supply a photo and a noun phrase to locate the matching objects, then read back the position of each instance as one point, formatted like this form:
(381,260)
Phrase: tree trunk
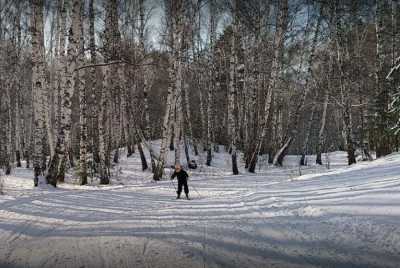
(82,110)
(232,130)
(293,129)
(9,137)
(282,22)
(18,128)
(142,156)
(178,93)
(382,85)
(364,146)
(175,72)
(211,84)
(104,159)
(202,110)
(188,117)
(56,170)
(303,161)
(346,102)
(146,77)
(321,137)
(38,86)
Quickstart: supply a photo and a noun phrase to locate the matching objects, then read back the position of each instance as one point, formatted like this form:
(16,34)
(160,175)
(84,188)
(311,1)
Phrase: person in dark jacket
(182,177)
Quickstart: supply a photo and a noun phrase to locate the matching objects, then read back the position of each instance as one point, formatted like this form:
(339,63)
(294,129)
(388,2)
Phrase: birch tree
(294,127)
(232,130)
(281,27)
(109,89)
(146,77)
(321,132)
(346,101)
(56,170)
(382,84)
(38,85)
(82,88)
(212,80)
(100,102)
(175,76)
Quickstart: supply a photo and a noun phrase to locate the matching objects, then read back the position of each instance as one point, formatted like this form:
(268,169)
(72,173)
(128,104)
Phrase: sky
(155,25)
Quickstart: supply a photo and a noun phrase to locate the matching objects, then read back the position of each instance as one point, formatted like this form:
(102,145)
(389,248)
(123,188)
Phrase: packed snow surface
(337,217)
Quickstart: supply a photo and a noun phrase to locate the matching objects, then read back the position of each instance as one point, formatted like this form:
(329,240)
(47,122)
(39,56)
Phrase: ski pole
(172,181)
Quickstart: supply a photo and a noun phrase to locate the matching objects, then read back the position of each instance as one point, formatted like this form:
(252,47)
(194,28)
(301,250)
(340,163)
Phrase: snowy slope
(342,217)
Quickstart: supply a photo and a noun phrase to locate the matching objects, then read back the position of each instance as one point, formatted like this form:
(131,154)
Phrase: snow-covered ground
(341,217)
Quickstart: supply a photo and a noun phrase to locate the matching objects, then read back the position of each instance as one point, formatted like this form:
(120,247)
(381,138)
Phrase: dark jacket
(182,176)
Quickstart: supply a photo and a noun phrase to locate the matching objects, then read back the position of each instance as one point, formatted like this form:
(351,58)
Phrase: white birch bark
(181,22)
(212,80)
(83,128)
(232,130)
(9,161)
(68,82)
(178,116)
(103,156)
(38,84)
(100,106)
(188,114)
(346,101)
(18,128)
(62,10)
(109,84)
(382,85)
(146,77)
(175,72)
(322,127)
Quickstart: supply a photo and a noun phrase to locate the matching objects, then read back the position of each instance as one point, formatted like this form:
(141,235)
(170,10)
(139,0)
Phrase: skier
(182,177)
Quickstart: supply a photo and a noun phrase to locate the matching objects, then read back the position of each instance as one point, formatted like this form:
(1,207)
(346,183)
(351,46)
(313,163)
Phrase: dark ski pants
(184,185)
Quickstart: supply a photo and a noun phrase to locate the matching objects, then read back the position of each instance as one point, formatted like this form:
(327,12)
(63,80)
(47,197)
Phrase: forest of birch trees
(80,80)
